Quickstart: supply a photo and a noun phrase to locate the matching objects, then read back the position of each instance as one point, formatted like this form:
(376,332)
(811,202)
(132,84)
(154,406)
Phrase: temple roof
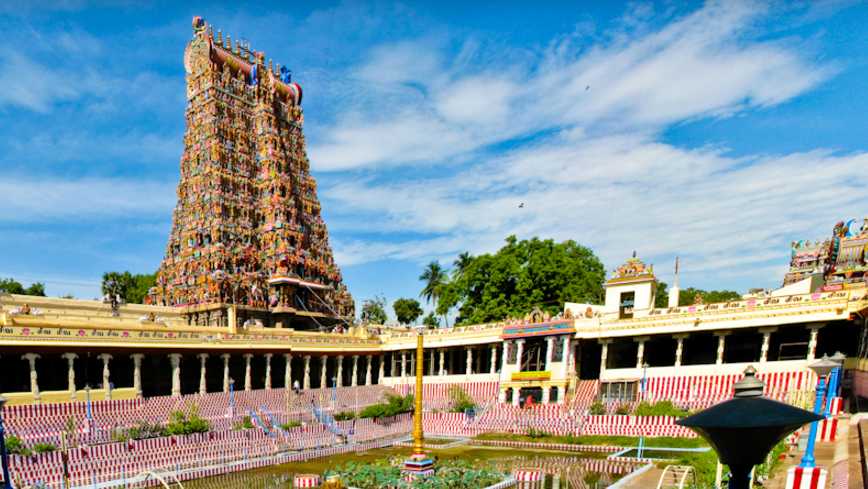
(633,270)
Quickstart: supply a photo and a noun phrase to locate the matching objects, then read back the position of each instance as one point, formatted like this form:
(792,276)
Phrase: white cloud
(25,199)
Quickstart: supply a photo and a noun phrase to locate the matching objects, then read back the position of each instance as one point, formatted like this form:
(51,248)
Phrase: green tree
(12,286)
(461,263)
(132,288)
(688,296)
(523,275)
(407,310)
(435,279)
(661,298)
(374,310)
(431,320)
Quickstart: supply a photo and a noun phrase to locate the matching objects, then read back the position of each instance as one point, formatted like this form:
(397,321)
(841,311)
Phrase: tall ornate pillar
(106,375)
(550,345)
(339,377)
(248,373)
(268,370)
(355,381)
(70,373)
(370,360)
(137,373)
(203,383)
(442,362)
(493,366)
(403,364)
(812,341)
(721,347)
(175,359)
(34,379)
(519,353)
(640,351)
(382,369)
(504,355)
(569,358)
(323,377)
(764,350)
(679,349)
(225,358)
(604,353)
(306,384)
(469,368)
(287,371)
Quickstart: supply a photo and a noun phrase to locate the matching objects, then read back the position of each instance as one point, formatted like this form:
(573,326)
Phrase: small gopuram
(247,231)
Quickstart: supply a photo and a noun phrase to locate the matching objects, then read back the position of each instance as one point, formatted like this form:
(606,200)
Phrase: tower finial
(219,37)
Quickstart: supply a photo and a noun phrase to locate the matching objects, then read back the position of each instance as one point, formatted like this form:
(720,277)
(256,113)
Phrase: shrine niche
(247,228)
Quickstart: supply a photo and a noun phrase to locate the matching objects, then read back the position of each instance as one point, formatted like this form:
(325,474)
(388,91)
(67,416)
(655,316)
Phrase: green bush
(181,423)
(662,408)
(535,433)
(622,409)
(15,446)
(393,406)
(451,474)
(145,430)
(597,408)
(245,424)
(345,416)
(44,448)
(292,423)
(460,400)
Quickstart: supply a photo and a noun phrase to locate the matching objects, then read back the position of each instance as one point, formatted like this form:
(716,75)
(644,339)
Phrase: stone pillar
(550,346)
(339,377)
(442,362)
(248,372)
(493,366)
(382,369)
(469,368)
(225,358)
(519,353)
(515,396)
(431,362)
(268,357)
(287,371)
(812,341)
(175,359)
(764,350)
(504,353)
(640,352)
(561,394)
(355,380)
(501,396)
(106,375)
(137,373)
(545,393)
(679,349)
(203,382)
(70,373)
(323,376)
(34,378)
(370,359)
(403,364)
(721,347)
(306,381)
(568,358)
(604,353)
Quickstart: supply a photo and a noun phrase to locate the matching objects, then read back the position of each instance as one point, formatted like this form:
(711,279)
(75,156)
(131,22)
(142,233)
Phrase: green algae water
(565,470)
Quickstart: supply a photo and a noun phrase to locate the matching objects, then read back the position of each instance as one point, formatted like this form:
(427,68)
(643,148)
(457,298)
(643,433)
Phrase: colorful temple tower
(247,229)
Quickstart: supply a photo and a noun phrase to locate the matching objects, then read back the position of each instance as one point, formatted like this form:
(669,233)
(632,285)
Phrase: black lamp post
(4,457)
(744,429)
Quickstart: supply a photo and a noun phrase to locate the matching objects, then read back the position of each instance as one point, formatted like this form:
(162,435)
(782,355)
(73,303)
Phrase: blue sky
(718,132)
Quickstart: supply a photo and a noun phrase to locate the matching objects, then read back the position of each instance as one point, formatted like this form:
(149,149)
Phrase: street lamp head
(823,366)
(838,358)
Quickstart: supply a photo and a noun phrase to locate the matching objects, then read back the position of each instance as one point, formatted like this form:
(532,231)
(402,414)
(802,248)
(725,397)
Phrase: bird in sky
(521,205)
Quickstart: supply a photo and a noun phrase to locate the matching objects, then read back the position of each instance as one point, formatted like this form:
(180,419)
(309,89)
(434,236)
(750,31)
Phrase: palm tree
(461,263)
(435,278)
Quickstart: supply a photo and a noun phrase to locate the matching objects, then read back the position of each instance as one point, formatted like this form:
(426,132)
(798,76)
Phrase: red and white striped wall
(836,406)
(806,478)
(828,429)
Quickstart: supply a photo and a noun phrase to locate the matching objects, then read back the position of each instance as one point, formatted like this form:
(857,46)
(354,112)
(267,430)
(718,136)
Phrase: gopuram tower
(247,232)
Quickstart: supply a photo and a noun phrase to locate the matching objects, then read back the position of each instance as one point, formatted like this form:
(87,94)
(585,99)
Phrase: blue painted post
(808,458)
(642,438)
(831,391)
